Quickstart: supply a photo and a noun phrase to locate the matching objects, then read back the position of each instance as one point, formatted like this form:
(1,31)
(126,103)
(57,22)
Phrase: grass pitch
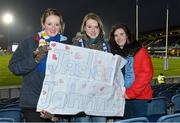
(173,67)
(7,78)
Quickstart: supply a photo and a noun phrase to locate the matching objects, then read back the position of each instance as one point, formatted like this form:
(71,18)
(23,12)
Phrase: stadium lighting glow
(7,18)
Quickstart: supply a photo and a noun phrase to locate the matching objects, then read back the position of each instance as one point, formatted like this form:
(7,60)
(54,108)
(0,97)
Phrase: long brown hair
(131,46)
(126,30)
(51,11)
(96,18)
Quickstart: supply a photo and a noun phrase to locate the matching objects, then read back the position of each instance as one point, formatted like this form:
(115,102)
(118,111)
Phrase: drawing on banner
(79,79)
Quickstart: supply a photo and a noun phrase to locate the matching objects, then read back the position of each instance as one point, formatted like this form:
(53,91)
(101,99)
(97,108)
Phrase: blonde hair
(96,18)
(49,12)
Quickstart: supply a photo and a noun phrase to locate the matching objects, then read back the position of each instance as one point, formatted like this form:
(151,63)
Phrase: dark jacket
(23,64)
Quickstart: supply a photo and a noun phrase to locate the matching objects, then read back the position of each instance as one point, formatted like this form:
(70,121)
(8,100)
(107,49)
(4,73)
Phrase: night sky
(27,13)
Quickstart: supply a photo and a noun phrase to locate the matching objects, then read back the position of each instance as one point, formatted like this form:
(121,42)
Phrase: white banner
(80,79)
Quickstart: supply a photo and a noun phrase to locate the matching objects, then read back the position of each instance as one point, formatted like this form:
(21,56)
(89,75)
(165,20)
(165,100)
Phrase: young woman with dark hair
(138,71)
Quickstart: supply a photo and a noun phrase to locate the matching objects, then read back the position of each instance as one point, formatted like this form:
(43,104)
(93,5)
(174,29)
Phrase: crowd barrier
(168,80)
(14,91)
(9,91)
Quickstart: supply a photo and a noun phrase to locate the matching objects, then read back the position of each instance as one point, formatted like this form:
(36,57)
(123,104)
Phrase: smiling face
(92,28)
(120,37)
(52,25)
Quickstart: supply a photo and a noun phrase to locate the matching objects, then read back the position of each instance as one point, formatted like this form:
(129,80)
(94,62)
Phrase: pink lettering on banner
(78,56)
(67,47)
(54,57)
(61,81)
(99,61)
(84,86)
(44,92)
(53,44)
(102,88)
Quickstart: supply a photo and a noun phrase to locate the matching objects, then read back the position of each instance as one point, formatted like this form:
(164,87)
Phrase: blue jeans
(135,108)
(90,119)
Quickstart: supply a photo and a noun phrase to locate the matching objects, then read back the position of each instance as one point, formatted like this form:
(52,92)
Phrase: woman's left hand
(125,96)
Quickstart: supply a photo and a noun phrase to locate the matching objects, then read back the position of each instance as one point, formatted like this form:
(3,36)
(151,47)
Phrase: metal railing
(9,91)
(14,91)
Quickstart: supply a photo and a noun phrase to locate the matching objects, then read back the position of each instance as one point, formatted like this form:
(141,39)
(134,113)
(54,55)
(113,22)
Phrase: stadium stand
(10,110)
(6,120)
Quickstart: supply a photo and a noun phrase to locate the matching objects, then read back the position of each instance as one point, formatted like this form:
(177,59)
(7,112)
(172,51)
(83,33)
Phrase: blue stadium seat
(13,105)
(173,87)
(5,102)
(9,100)
(138,119)
(157,108)
(6,120)
(168,94)
(178,91)
(176,101)
(170,118)
(160,88)
(12,113)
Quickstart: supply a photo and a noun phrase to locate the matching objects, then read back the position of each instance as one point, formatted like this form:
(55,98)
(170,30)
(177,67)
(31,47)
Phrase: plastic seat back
(167,93)
(6,120)
(12,113)
(176,101)
(170,118)
(137,119)
(157,107)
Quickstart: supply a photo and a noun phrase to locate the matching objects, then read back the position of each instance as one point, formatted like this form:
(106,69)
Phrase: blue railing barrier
(14,91)
(9,91)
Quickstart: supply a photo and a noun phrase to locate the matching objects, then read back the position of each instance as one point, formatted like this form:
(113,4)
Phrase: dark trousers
(135,108)
(31,115)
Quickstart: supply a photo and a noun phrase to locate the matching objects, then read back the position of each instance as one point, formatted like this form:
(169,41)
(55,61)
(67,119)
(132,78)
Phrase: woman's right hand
(40,52)
(47,115)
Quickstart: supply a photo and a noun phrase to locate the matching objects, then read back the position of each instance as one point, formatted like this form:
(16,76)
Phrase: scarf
(97,43)
(129,76)
(44,39)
